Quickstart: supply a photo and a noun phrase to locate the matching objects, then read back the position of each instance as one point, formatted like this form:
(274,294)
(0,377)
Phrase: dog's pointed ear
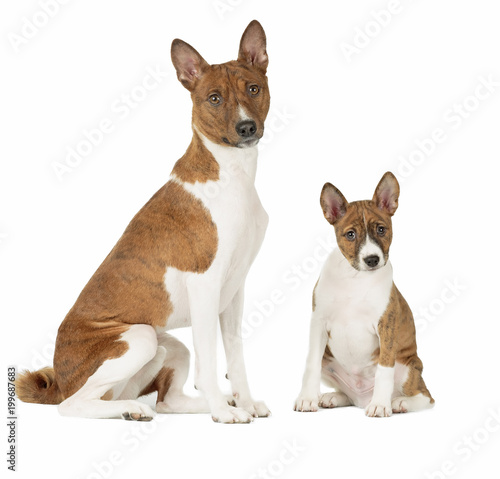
(333,203)
(253,46)
(188,63)
(387,193)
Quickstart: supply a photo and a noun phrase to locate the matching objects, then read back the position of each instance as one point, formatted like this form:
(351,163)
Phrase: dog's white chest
(241,221)
(350,303)
(241,225)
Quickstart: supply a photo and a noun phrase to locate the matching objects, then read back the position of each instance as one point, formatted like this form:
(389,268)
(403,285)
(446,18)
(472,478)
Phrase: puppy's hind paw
(399,405)
(334,399)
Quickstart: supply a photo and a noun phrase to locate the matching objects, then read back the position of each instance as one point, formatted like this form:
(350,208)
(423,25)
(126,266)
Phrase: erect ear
(387,193)
(253,46)
(333,203)
(188,63)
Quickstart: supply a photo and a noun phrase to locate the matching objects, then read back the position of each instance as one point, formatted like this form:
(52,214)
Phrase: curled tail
(38,387)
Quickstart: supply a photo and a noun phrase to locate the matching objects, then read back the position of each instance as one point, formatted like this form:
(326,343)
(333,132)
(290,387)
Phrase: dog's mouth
(373,268)
(249,143)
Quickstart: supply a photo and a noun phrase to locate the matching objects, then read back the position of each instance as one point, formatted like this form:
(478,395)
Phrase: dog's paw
(256,409)
(333,399)
(399,405)
(378,410)
(136,411)
(232,415)
(306,404)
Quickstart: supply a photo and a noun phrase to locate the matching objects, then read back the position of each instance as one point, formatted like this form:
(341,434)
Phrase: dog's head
(230,100)
(363,228)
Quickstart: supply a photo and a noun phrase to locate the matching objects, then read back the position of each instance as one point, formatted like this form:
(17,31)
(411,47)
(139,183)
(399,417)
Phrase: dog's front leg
(204,297)
(230,321)
(308,398)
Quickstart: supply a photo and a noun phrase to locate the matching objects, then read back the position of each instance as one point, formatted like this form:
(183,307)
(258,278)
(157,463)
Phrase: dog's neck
(231,159)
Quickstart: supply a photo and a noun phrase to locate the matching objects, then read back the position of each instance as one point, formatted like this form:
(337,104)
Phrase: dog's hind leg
(114,375)
(142,379)
(171,379)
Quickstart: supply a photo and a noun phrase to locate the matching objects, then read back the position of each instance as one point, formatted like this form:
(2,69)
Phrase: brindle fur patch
(398,343)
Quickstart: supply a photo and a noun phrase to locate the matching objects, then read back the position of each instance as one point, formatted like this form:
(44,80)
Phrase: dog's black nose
(246,128)
(372,260)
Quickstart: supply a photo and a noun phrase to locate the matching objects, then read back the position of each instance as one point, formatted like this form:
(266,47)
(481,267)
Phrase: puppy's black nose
(246,128)
(372,260)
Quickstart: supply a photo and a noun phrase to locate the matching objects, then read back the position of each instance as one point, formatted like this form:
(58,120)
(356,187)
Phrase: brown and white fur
(362,337)
(182,261)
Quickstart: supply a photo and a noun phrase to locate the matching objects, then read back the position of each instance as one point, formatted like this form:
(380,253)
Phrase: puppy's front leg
(309,395)
(230,321)
(380,404)
(204,298)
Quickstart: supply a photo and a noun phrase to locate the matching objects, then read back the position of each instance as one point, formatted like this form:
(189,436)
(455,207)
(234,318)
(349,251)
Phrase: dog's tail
(38,387)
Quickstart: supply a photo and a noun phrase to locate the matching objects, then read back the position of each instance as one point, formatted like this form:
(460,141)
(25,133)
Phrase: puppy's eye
(253,90)
(381,230)
(350,235)
(215,99)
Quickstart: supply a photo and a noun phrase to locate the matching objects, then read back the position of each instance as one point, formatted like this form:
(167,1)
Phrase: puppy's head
(363,228)
(230,100)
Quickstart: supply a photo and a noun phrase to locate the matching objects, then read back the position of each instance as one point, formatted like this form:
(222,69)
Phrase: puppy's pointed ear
(333,203)
(253,46)
(387,193)
(188,63)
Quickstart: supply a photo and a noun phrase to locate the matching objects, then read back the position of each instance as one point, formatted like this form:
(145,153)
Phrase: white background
(343,118)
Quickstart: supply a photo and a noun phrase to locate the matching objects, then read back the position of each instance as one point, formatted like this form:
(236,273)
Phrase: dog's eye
(214,99)
(253,90)
(350,235)
(381,230)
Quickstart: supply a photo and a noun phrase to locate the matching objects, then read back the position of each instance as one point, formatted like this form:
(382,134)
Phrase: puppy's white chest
(351,303)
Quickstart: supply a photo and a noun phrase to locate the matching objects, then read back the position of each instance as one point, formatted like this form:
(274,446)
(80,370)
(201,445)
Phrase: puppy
(362,337)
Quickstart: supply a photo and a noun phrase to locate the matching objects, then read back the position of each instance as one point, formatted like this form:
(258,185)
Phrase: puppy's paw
(378,410)
(306,404)
(399,404)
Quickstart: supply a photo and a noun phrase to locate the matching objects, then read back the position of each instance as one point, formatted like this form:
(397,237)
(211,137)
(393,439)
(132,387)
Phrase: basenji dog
(362,335)
(182,261)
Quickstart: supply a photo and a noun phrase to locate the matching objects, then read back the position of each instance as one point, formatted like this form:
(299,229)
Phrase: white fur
(368,249)
(243,114)
(409,404)
(380,404)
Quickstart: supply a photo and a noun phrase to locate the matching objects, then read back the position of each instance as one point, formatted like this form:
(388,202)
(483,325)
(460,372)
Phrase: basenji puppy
(182,261)
(362,336)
